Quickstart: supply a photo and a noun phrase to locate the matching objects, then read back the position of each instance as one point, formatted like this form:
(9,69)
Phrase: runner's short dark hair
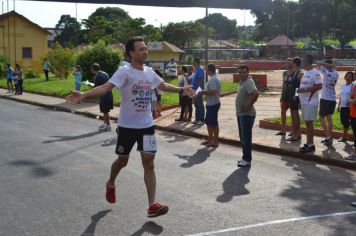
(350,73)
(244,67)
(95,67)
(211,68)
(130,45)
(297,61)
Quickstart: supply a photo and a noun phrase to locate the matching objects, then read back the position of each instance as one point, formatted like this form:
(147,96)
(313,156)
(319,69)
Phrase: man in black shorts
(328,98)
(135,123)
(106,101)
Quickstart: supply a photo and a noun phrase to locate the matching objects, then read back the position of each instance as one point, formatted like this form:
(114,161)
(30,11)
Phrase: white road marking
(273,223)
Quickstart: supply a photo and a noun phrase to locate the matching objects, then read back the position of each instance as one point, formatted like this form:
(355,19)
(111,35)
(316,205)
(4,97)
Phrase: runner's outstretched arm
(76,97)
(174,89)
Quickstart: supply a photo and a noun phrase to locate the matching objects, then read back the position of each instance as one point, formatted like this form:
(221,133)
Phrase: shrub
(3,62)
(107,57)
(299,44)
(31,74)
(61,60)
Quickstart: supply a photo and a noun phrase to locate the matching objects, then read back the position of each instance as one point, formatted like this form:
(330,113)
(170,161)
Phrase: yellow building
(22,41)
(160,53)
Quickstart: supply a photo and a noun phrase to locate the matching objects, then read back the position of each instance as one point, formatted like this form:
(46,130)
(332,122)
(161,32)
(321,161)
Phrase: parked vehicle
(310,47)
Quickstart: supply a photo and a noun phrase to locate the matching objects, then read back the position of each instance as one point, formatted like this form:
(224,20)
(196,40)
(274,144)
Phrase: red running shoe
(110,194)
(156,209)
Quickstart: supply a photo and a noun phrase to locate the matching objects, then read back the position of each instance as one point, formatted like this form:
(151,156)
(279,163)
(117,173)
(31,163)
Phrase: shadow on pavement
(90,230)
(175,137)
(36,171)
(70,138)
(235,185)
(149,227)
(199,157)
(322,190)
(109,142)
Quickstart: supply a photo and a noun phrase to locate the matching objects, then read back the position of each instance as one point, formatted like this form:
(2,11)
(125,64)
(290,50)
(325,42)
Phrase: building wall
(16,34)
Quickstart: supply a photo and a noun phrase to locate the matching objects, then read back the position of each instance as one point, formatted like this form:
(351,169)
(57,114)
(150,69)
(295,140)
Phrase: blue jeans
(245,124)
(199,108)
(77,86)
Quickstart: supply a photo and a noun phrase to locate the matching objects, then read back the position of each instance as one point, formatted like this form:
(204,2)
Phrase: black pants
(20,88)
(46,74)
(186,101)
(353,126)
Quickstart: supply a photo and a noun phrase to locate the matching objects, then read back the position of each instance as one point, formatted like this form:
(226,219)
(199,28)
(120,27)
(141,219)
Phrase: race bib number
(149,143)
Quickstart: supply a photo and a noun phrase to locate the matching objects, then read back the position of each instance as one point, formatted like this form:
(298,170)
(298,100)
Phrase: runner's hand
(74,97)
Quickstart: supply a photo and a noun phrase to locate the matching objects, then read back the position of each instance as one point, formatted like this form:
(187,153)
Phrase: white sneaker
(106,128)
(200,123)
(102,126)
(243,163)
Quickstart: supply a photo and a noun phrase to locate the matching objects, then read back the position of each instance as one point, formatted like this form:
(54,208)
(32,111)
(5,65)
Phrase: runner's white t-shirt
(345,93)
(135,88)
(309,79)
(329,82)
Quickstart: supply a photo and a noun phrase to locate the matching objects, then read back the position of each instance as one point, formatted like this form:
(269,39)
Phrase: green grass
(62,87)
(337,126)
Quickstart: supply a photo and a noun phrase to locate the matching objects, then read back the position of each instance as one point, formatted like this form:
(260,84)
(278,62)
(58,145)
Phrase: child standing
(343,106)
(18,74)
(9,75)
(78,77)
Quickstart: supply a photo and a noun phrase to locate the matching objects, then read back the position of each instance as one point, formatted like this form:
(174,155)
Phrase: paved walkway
(265,140)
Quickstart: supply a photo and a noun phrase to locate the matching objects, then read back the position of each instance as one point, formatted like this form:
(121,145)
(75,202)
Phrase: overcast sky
(47,14)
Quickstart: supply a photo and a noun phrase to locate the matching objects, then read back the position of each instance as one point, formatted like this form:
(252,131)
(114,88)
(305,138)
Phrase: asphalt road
(54,165)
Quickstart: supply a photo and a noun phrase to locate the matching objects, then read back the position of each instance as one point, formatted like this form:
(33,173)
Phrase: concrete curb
(266,124)
(269,149)
(256,146)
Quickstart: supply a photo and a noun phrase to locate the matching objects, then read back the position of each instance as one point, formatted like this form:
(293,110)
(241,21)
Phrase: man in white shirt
(310,84)
(328,98)
(135,123)
(172,69)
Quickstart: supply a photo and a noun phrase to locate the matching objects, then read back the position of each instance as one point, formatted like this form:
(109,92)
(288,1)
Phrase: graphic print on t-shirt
(142,93)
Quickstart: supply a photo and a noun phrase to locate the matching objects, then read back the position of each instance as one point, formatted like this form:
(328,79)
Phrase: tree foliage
(308,18)
(62,61)
(223,27)
(107,57)
(67,30)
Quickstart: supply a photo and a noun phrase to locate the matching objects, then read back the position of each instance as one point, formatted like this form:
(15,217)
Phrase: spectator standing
(19,75)
(78,77)
(287,79)
(10,78)
(352,102)
(46,66)
(212,93)
(309,100)
(344,106)
(198,82)
(328,99)
(293,99)
(172,69)
(247,95)
(106,101)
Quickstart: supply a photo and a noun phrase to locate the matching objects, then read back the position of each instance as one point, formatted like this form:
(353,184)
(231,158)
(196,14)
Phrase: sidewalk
(263,139)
